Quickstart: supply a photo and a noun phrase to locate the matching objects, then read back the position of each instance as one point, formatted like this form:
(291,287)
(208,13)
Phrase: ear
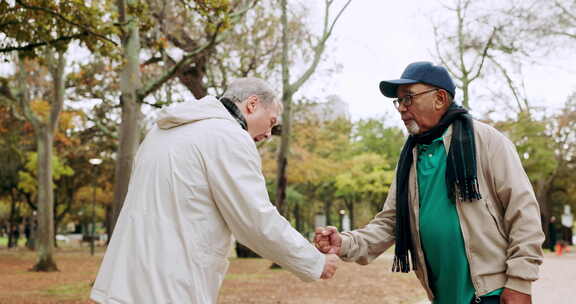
(441,100)
(251,104)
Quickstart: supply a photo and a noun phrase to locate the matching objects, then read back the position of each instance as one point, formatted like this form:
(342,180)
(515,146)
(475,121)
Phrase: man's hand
(510,296)
(328,240)
(330,266)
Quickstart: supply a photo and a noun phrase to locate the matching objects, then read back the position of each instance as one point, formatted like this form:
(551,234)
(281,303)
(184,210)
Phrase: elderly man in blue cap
(461,210)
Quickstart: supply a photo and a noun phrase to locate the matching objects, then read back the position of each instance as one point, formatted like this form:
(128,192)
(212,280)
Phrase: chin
(413,128)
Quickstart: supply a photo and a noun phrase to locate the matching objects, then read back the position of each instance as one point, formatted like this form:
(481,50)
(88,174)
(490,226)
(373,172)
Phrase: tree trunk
(12,222)
(108,222)
(465,95)
(33,233)
(327,211)
(281,179)
(542,188)
(350,207)
(55,217)
(193,78)
(129,127)
(297,218)
(129,136)
(282,161)
(288,89)
(45,139)
(45,243)
(64,200)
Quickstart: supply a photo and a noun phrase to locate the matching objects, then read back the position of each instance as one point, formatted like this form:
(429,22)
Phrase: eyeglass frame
(407,101)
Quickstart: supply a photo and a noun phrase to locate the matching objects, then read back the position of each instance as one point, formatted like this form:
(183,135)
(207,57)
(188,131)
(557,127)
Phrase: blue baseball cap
(420,72)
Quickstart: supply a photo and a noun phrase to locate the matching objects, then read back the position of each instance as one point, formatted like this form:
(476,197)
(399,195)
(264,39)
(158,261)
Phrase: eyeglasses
(408,98)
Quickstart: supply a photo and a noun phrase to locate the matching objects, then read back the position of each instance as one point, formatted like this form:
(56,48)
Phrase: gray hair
(242,88)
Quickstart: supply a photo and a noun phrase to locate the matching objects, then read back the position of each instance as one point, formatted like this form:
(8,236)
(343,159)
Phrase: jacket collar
(235,112)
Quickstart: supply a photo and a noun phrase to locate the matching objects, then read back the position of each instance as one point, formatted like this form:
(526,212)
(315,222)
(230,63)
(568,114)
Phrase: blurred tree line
(83,79)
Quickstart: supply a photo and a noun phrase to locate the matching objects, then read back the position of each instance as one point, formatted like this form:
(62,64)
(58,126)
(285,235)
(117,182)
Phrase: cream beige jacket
(197,181)
(502,231)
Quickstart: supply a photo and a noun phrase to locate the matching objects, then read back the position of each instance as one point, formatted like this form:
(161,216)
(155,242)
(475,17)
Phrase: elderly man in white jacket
(197,180)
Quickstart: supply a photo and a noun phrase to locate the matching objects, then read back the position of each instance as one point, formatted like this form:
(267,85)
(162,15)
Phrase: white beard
(413,127)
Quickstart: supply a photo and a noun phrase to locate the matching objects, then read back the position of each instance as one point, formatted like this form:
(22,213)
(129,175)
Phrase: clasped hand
(328,241)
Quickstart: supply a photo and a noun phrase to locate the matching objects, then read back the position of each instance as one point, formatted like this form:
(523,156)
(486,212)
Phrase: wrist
(519,285)
(344,245)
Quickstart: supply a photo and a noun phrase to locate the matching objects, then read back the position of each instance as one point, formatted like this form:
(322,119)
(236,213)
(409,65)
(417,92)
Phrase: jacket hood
(192,111)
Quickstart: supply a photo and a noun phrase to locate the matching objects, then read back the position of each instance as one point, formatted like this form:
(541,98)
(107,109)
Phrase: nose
(263,136)
(401,107)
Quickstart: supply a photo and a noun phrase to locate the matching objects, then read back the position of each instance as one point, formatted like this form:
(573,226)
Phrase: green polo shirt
(440,233)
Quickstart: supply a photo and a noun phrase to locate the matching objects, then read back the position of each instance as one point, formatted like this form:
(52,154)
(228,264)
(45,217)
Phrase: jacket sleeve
(238,188)
(521,214)
(367,243)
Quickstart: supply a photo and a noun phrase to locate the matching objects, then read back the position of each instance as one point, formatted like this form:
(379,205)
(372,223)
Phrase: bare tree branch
(509,81)
(484,54)
(319,48)
(442,60)
(170,73)
(216,38)
(24,97)
(565,10)
(243,11)
(464,7)
(59,16)
(151,60)
(461,50)
(338,17)
(556,33)
(32,46)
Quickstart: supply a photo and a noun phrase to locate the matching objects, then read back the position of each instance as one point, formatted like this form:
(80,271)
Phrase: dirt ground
(247,281)
(69,285)
(251,281)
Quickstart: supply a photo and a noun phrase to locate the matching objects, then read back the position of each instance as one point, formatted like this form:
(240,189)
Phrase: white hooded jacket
(196,181)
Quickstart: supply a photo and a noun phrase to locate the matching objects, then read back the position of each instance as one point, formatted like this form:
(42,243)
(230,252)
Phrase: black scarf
(461,177)
(235,112)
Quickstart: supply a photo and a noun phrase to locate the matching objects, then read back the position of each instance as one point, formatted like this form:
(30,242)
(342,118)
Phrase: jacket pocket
(497,218)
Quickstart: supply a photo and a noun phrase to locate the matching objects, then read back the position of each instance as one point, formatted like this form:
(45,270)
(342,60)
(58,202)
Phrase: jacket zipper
(447,137)
(416,212)
(464,233)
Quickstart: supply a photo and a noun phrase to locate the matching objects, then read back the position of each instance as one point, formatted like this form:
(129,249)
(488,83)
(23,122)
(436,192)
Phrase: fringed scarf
(235,112)
(461,176)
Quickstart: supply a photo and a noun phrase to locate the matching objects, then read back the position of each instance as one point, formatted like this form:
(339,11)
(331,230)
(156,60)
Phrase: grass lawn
(4,242)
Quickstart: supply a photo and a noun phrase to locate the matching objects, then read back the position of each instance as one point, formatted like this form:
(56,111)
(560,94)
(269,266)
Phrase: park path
(557,283)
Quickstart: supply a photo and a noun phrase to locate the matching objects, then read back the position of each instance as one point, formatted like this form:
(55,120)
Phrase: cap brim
(390,87)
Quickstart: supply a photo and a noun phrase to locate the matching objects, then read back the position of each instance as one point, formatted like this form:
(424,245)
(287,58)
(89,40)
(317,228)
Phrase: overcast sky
(375,40)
